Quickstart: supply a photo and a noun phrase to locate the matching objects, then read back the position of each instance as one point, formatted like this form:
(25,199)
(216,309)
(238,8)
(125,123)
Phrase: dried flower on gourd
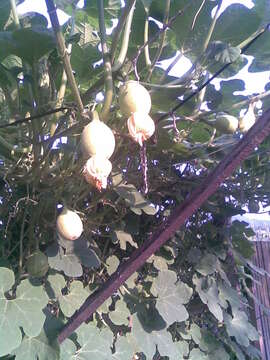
(141,127)
(96,171)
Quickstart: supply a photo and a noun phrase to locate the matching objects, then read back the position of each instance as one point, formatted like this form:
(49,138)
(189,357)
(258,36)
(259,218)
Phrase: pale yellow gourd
(133,97)
(69,225)
(97,138)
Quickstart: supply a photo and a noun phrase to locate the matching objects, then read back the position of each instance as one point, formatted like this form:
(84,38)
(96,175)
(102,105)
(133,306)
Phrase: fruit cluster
(98,144)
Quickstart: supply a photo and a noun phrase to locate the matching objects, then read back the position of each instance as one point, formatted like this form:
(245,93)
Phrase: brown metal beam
(226,167)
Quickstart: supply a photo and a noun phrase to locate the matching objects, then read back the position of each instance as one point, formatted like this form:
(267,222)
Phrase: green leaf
(82,60)
(33,19)
(194,255)
(190,34)
(123,348)
(7,279)
(111,10)
(86,257)
(45,345)
(71,301)
(95,344)
(121,313)
(228,87)
(55,283)
(228,294)
(197,354)
(124,238)
(253,352)
(130,282)
(207,265)
(195,333)
(200,133)
(208,292)
(74,299)
(183,331)
(236,24)
(160,263)
(68,263)
(146,341)
(212,346)
(24,311)
(149,318)
(112,264)
(240,241)
(239,327)
(219,353)
(81,251)
(235,349)
(166,347)
(171,296)
(135,200)
(5,10)
(66,5)
(30,44)
(33,348)
(67,350)
(182,348)
(29,302)
(222,52)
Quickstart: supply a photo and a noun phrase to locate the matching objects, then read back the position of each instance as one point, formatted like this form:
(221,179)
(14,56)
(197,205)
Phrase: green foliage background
(190,300)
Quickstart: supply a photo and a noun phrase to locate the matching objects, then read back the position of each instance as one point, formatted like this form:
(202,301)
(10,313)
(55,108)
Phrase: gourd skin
(133,98)
(97,138)
(69,225)
(141,127)
(227,124)
(248,120)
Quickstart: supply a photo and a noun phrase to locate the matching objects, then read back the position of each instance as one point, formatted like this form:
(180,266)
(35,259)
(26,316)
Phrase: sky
(254,82)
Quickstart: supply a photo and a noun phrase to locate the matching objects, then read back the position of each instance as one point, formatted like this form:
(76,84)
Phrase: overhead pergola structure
(226,167)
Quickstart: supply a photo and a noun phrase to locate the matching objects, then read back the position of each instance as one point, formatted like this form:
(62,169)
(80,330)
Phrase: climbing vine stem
(107,64)
(64,53)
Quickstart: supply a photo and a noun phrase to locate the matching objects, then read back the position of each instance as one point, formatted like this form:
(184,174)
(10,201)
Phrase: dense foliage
(191,300)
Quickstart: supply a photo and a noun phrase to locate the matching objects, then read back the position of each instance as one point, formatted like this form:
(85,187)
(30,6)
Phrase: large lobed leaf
(74,298)
(94,344)
(71,260)
(239,327)
(30,44)
(208,292)
(171,295)
(146,340)
(135,200)
(25,311)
